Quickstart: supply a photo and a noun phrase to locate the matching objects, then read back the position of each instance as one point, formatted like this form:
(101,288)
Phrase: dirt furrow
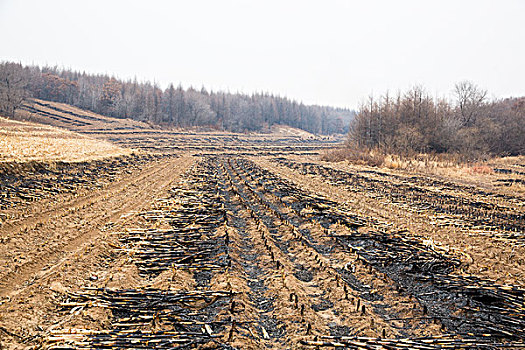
(53,237)
(446,204)
(241,256)
(316,253)
(430,280)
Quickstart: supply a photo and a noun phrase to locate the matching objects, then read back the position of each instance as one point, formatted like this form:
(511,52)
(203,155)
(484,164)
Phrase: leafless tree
(470,100)
(12,87)
(175,106)
(198,110)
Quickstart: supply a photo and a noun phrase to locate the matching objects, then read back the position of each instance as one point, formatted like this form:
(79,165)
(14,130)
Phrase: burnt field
(227,241)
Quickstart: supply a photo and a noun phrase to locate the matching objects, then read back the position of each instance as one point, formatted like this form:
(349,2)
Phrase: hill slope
(22,141)
(73,118)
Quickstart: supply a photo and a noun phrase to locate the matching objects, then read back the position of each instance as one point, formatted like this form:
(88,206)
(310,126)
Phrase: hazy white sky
(325,52)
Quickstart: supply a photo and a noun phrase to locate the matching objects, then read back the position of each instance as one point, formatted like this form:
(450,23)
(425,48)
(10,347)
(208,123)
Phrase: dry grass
(421,162)
(356,156)
(290,131)
(446,166)
(481,169)
(24,141)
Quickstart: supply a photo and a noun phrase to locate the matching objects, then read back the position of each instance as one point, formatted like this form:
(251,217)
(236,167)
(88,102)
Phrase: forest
(173,106)
(469,124)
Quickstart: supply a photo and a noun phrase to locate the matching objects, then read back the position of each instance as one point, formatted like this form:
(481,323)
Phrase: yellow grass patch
(24,141)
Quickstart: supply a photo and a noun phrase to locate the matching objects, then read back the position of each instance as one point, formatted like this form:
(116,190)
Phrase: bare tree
(470,100)
(12,87)
(199,110)
(101,93)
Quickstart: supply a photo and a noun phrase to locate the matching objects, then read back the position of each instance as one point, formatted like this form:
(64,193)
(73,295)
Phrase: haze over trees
(415,122)
(173,106)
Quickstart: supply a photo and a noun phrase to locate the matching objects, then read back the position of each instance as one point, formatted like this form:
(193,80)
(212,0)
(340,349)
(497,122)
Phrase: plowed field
(205,248)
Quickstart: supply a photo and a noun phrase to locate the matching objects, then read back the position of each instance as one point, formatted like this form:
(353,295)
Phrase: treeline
(173,106)
(414,122)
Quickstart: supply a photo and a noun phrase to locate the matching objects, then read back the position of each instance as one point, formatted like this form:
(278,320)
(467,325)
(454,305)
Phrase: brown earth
(306,254)
(293,281)
(69,244)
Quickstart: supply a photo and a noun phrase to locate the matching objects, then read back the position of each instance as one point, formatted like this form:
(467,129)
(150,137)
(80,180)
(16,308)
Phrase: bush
(355,155)
(416,123)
